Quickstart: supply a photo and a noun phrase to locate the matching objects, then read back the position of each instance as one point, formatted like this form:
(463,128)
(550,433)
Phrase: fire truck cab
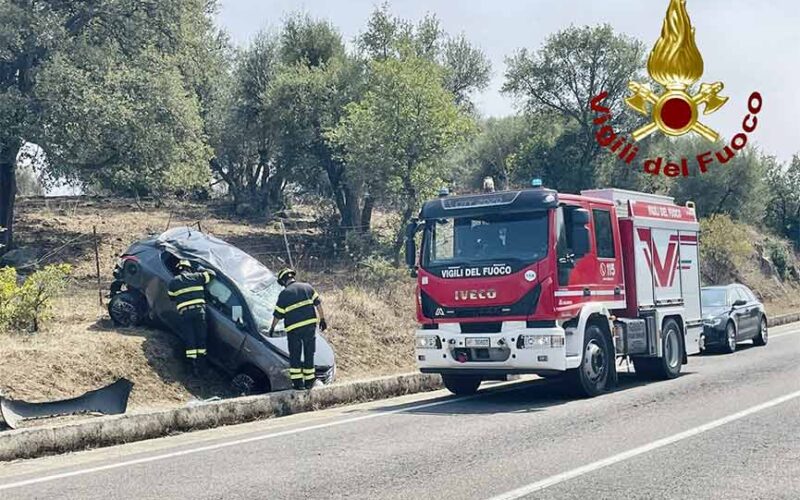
(536,281)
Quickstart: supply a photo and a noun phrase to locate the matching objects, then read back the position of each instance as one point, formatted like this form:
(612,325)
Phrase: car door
(752,310)
(227,325)
(743,315)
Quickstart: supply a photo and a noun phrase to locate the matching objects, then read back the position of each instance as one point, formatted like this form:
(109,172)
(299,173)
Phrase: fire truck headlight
(429,342)
(540,341)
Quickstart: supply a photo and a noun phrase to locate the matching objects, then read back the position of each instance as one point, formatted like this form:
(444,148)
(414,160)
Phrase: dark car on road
(732,314)
(240,302)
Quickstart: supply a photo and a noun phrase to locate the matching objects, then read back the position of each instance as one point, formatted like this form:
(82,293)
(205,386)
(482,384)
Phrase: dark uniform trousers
(302,342)
(195,331)
(188,292)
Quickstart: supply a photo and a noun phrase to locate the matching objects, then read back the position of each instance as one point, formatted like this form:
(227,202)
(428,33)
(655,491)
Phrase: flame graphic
(675,61)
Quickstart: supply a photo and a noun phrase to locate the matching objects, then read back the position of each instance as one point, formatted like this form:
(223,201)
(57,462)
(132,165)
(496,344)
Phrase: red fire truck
(536,281)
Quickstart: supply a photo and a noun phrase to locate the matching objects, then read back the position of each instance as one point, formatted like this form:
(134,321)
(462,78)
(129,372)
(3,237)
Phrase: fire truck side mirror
(411,246)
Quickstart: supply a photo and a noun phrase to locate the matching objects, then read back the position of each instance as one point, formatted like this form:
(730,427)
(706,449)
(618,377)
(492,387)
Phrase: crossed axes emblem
(676,112)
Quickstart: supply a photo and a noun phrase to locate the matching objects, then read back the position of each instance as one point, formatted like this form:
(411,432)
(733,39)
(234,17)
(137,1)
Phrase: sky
(748,45)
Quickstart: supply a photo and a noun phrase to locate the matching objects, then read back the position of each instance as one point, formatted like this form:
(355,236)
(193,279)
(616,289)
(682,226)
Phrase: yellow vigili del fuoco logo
(674,109)
(676,64)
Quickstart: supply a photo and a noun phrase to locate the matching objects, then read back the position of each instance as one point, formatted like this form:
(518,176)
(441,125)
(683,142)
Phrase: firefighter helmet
(184,264)
(285,274)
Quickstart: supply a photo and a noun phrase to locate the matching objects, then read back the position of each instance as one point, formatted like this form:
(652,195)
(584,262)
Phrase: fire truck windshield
(520,237)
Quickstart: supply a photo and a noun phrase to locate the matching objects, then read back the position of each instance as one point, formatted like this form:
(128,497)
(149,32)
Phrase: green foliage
(783,208)
(26,306)
(724,248)
(572,67)
(379,273)
(397,137)
(736,188)
(780,257)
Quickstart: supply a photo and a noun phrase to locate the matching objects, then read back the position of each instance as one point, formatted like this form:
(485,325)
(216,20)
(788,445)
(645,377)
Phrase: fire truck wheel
(669,365)
(461,385)
(592,377)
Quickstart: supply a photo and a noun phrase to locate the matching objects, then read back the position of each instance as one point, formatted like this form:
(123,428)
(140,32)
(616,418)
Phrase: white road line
(227,444)
(572,474)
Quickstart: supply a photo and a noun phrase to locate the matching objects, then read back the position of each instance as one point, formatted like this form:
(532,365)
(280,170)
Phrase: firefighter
(300,308)
(188,290)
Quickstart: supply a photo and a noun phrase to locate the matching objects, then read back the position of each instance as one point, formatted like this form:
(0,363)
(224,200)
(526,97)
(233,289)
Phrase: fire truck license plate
(477,341)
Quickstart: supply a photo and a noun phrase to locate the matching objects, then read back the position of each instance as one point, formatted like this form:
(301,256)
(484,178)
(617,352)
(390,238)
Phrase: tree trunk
(8,194)
(366,214)
(350,216)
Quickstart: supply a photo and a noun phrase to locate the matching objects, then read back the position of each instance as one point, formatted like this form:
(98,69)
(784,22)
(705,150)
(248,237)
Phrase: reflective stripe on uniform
(201,352)
(186,290)
(295,373)
(301,324)
(297,305)
(208,277)
(191,353)
(314,297)
(309,374)
(191,303)
(280,310)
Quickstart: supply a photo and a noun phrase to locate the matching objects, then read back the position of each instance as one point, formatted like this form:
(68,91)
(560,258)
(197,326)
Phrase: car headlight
(712,321)
(428,342)
(540,341)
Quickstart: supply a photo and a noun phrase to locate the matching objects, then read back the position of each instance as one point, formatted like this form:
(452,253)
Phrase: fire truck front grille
(524,307)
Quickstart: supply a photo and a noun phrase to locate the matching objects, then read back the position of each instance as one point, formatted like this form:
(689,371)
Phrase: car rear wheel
(763,335)
(729,343)
(462,385)
(250,381)
(128,308)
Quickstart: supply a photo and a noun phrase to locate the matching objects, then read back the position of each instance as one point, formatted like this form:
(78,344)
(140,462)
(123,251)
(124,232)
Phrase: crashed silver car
(240,302)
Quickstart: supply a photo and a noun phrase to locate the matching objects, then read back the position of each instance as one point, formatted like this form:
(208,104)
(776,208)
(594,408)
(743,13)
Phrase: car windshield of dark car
(261,301)
(464,240)
(714,297)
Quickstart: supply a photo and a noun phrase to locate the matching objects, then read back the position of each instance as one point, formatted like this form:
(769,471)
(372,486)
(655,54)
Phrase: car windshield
(261,301)
(491,237)
(714,297)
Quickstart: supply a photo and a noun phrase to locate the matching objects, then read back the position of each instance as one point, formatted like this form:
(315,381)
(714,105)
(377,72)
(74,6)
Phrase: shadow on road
(525,397)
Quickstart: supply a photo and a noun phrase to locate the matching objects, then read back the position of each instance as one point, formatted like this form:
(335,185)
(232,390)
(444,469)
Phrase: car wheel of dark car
(250,381)
(762,337)
(729,343)
(127,308)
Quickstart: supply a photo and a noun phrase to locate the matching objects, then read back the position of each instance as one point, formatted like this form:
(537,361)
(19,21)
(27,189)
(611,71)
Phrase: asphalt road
(728,428)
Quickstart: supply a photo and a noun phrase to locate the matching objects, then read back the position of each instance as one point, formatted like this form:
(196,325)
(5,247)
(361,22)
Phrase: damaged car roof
(237,265)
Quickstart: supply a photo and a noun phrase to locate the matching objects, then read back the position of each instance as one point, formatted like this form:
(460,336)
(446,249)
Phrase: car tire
(250,381)
(728,345)
(669,365)
(762,337)
(128,308)
(462,385)
(593,376)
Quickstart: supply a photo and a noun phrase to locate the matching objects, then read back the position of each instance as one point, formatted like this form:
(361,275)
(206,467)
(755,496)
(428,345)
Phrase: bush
(27,305)
(724,248)
(378,273)
(779,256)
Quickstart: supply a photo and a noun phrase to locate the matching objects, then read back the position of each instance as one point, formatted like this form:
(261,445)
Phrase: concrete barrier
(783,319)
(113,430)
